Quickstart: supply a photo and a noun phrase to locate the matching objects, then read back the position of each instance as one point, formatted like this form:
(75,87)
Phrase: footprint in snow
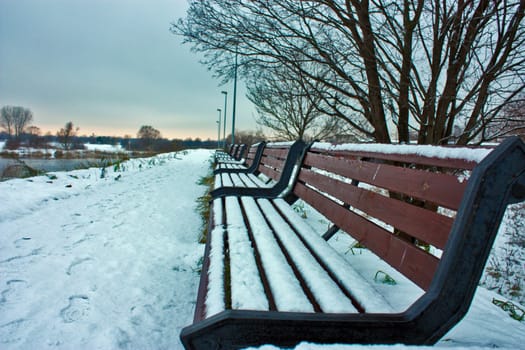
(77,308)
(122,338)
(12,287)
(20,242)
(9,331)
(76,263)
(16,263)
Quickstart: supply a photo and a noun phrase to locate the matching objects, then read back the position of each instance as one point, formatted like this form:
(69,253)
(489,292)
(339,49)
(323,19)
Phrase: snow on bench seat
(292,260)
(240,180)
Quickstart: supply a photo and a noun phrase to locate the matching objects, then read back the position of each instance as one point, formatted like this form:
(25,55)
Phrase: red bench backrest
(397,205)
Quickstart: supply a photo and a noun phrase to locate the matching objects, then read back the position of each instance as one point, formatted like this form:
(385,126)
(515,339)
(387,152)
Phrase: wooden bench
(269,278)
(234,155)
(271,175)
(222,155)
(247,165)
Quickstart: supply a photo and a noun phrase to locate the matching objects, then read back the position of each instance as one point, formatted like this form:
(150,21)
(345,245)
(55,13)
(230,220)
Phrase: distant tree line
(15,129)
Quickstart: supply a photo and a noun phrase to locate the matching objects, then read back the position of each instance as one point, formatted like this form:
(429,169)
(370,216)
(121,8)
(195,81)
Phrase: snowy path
(101,263)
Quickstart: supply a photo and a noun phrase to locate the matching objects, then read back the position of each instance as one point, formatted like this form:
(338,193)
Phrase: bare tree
(34,136)
(148,136)
(248,137)
(286,106)
(14,119)
(66,135)
(510,122)
(391,67)
(6,120)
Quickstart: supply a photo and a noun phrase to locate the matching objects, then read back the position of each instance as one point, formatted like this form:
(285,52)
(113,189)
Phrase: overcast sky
(109,66)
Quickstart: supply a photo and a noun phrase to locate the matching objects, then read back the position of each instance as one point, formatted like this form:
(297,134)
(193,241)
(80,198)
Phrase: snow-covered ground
(106,262)
(104,147)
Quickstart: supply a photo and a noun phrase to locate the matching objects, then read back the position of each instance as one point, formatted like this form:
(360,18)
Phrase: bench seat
(279,263)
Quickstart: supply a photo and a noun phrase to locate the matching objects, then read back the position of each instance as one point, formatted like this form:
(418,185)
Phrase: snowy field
(110,260)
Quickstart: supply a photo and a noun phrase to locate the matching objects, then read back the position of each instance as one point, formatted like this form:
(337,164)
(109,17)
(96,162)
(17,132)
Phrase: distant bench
(269,278)
(234,155)
(248,165)
(273,169)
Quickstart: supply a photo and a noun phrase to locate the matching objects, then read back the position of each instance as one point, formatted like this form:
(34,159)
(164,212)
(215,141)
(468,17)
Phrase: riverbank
(25,161)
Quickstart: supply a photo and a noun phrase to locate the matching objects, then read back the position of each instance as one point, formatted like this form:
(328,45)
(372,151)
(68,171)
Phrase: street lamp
(234,95)
(219,129)
(224,123)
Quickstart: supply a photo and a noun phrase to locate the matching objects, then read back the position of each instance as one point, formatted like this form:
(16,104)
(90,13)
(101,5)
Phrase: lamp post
(224,123)
(234,96)
(219,129)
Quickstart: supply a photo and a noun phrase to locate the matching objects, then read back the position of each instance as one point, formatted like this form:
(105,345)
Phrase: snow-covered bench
(246,165)
(234,155)
(431,213)
(271,176)
(222,155)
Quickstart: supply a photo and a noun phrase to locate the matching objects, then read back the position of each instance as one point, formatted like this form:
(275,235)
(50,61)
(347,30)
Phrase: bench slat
(217,181)
(442,189)
(247,291)
(416,264)
(410,219)
(215,288)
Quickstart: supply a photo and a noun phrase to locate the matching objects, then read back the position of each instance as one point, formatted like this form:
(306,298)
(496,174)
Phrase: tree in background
(286,106)
(427,66)
(248,137)
(6,119)
(34,137)
(510,122)
(14,119)
(148,135)
(66,135)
